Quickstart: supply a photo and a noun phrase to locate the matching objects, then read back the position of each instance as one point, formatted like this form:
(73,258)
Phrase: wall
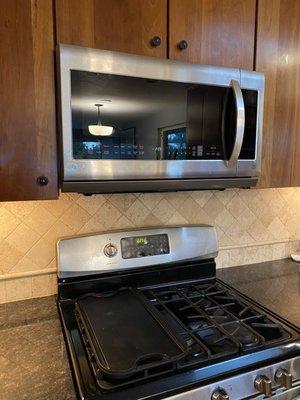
(252,225)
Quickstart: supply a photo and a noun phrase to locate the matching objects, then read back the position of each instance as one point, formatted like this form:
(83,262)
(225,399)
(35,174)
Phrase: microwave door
(215,128)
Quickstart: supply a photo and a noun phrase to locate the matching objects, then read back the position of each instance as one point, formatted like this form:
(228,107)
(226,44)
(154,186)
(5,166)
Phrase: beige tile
(58,207)
(268,195)
(193,213)
(225,219)
(39,220)
(91,204)
(150,221)
(236,257)
(2,292)
(21,208)
(236,206)
(201,197)
(246,218)
(247,195)
(24,265)
(9,256)
(107,215)
(278,230)
(224,240)
(8,222)
(150,200)
(225,195)
(280,250)
(258,206)
(122,201)
(18,289)
(137,213)
(163,211)
(123,223)
(223,259)
(75,217)
(277,204)
(23,238)
(213,207)
(177,199)
(238,234)
(43,285)
(287,193)
(57,231)
(41,253)
(177,219)
(258,232)
(91,226)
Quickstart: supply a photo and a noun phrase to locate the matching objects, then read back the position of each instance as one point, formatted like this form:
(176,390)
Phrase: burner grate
(211,322)
(215,318)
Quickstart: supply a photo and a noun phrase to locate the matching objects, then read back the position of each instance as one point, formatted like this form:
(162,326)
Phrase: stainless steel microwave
(131,123)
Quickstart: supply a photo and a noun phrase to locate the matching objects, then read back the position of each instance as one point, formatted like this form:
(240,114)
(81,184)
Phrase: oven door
(127,117)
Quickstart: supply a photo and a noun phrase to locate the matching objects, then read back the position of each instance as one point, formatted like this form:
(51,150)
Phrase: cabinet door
(120,25)
(278,49)
(216,32)
(27,101)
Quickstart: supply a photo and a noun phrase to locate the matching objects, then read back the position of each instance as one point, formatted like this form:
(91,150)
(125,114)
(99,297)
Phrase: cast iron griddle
(125,334)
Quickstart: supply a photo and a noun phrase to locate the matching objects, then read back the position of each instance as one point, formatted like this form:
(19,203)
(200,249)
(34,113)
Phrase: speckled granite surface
(274,284)
(33,359)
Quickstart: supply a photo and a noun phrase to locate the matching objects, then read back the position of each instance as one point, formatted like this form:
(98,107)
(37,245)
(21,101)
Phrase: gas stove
(144,317)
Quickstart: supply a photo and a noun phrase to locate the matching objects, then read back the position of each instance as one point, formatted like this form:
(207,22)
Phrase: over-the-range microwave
(131,123)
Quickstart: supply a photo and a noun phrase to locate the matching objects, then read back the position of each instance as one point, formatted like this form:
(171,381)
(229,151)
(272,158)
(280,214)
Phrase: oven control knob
(264,385)
(219,394)
(110,250)
(284,378)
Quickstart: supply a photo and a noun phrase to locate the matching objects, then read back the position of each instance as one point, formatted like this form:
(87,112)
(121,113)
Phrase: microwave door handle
(240,123)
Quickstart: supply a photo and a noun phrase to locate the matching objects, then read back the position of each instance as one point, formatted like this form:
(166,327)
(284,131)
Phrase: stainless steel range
(144,317)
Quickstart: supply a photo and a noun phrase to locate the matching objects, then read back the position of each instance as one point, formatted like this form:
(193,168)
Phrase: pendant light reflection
(99,129)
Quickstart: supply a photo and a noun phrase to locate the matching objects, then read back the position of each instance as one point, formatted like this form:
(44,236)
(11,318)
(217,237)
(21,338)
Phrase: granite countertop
(33,360)
(274,284)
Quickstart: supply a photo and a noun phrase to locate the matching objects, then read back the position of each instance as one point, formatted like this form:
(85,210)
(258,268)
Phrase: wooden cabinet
(278,50)
(120,25)
(27,101)
(217,32)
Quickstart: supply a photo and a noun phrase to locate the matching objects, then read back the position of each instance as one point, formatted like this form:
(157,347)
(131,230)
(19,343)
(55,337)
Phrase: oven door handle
(240,123)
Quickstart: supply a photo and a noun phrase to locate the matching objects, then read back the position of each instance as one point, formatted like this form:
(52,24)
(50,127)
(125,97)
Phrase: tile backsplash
(253,225)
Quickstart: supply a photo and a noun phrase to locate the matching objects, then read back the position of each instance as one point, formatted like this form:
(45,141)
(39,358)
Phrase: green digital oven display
(145,246)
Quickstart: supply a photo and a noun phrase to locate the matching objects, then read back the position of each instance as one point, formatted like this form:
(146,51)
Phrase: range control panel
(122,250)
(144,246)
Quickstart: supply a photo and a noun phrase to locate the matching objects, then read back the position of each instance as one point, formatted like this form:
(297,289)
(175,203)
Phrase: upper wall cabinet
(28,167)
(278,50)
(133,26)
(214,32)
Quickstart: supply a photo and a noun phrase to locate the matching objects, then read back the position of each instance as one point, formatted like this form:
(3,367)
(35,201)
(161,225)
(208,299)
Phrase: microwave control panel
(200,152)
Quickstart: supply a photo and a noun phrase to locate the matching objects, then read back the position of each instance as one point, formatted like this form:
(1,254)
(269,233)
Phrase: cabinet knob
(182,45)
(155,41)
(219,394)
(264,385)
(42,180)
(284,378)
